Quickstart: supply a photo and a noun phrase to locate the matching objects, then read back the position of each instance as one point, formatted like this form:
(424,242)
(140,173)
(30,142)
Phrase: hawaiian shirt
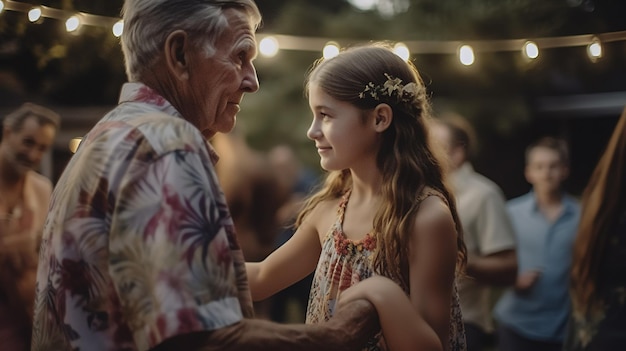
(138,245)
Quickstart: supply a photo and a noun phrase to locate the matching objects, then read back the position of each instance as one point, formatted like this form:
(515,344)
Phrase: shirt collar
(139,92)
(569,204)
(461,176)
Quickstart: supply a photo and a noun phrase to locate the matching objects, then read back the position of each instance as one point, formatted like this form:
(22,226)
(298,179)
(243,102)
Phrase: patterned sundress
(344,262)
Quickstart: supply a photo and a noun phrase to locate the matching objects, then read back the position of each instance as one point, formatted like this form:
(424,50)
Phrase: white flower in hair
(411,89)
(394,89)
(391,85)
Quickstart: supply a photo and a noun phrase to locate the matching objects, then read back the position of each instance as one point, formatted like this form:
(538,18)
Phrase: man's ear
(6,132)
(458,155)
(383,115)
(177,54)
(565,173)
(528,175)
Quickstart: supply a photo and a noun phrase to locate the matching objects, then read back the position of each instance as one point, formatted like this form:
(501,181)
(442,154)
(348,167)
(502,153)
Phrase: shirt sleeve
(170,251)
(493,227)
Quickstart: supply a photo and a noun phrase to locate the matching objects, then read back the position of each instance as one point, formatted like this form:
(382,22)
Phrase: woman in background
(598,290)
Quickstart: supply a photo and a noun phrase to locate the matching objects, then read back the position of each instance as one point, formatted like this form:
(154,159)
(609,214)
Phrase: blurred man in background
(487,230)
(27,135)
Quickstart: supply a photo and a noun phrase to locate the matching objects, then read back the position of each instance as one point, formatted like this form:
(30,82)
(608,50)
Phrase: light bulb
(118,28)
(34,14)
(269,46)
(531,50)
(466,55)
(72,24)
(402,50)
(331,50)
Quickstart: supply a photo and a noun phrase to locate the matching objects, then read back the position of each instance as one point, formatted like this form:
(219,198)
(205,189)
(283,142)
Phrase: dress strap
(341,209)
(431,192)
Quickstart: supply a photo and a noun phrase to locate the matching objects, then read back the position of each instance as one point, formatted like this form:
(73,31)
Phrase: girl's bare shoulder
(434,212)
(324,214)
(326,208)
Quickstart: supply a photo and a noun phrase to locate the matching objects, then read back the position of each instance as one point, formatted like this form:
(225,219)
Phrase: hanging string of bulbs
(270,45)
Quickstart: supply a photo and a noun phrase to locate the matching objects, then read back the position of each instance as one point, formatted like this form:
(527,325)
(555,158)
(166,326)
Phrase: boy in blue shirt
(532,315)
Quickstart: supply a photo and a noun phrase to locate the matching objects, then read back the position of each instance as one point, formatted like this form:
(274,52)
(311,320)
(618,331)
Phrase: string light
(118,28)
(531,50)
(62,15)
(34,14)
(466,55)
(331,49)
(286,42)
(594,50)
(402,50)
(72,24)
(268,46)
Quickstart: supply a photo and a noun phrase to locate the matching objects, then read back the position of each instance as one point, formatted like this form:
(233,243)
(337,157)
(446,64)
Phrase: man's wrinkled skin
(352,325)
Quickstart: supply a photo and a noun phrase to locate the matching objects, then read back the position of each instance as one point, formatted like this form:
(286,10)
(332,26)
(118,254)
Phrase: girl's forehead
(317,94)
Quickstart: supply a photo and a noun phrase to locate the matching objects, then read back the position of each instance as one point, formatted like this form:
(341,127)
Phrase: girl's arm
(290,263)
(433,256)
(403,328)
(420,321)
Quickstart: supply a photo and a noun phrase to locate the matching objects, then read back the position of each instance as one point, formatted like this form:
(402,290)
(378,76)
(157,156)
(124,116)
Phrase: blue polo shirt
(542,312)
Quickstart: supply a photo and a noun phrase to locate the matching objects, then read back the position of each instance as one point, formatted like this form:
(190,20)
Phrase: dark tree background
(504,95)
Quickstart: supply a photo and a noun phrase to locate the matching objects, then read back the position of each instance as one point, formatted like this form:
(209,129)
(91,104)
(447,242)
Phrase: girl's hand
(370,289)
(403,327)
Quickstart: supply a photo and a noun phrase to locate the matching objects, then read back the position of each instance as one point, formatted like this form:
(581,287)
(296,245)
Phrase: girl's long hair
(603,202)
(406,160)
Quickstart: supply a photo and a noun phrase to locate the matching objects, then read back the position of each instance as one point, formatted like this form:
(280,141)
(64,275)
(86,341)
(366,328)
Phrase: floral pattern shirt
(138,245)
(344,262)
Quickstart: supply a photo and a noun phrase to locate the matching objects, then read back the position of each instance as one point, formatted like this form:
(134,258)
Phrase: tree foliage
(44,61)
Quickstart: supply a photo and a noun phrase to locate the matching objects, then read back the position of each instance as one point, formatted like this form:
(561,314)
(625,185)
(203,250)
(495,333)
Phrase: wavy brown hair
(405,158)
(603,202)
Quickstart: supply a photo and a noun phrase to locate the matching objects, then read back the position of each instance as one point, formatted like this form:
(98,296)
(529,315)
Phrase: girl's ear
(383,115)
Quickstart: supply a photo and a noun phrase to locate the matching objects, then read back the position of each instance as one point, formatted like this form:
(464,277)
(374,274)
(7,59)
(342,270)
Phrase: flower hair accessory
(393,90)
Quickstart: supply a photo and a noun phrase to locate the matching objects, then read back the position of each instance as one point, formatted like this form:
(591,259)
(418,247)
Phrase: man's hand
(526,281)
(358,320)
(350,329)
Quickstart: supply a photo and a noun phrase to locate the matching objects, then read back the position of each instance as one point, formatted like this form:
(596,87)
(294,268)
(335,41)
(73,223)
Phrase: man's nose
(250,82)
(35,155)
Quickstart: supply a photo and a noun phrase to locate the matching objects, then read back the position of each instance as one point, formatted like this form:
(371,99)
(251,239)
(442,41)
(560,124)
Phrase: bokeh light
(269,46)
(466,55)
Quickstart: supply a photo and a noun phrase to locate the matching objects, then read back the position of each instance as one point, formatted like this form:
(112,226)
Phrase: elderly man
(139,250)
(24,196)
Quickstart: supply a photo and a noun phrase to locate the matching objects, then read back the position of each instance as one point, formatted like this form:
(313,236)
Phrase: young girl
(383,210)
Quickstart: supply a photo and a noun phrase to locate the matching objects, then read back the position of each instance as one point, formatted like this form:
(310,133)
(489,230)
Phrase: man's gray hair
(45,116)
(147,23)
